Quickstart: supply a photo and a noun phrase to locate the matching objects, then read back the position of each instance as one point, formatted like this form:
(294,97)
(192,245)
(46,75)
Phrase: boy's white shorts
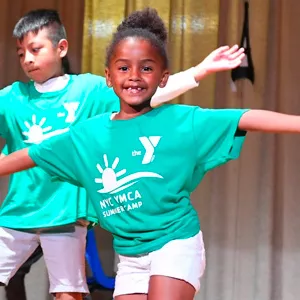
(64,255)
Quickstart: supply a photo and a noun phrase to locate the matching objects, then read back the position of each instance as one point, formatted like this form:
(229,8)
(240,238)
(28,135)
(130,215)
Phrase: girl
(139,165)
(47,105)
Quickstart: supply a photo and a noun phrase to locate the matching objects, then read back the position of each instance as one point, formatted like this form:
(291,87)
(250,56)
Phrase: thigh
(132,280)
(167,288)
(34,257)
(15,248)
(132,297)
(183,260)
(64,255)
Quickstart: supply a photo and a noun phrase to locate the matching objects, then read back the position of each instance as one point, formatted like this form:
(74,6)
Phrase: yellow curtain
(193,33)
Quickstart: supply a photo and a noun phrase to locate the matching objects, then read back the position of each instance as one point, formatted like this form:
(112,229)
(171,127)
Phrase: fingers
(232,52)
(237,61)
(237,54)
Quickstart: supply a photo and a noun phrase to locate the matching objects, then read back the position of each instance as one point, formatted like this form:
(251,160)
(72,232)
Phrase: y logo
(149,144)
(71,108)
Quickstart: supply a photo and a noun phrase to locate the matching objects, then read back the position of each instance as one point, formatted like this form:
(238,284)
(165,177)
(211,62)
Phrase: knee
(68,296)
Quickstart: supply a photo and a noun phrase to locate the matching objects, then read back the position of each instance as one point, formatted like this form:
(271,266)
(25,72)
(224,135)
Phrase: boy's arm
(221,59)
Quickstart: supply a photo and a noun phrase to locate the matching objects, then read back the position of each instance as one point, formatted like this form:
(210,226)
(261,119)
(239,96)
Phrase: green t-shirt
(28,117)
(139,173)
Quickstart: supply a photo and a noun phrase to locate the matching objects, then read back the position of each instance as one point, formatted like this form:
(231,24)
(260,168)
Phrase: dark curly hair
(144,24)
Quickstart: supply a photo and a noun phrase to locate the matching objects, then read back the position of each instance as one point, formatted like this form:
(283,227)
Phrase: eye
(123,68)
(21,54)
(35,50)
(147,69)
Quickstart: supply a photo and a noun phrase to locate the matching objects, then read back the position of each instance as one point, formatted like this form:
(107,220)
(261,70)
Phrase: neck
(129,112)
(53,84)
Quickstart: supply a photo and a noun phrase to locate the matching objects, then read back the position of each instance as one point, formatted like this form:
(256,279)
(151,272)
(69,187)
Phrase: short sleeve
(56,157)
(5,95)
(217,136)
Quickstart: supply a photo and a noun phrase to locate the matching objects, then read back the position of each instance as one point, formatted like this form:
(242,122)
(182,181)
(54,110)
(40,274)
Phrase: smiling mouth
(134,90)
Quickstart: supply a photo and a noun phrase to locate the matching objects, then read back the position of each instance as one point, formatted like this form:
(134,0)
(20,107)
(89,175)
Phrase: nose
(28,58)
(134,74)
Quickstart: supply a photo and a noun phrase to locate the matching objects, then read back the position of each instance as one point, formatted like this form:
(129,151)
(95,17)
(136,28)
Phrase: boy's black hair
(36,20)
(144,24)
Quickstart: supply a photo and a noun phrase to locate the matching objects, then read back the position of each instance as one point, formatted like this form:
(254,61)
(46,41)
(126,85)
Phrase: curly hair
(144,24)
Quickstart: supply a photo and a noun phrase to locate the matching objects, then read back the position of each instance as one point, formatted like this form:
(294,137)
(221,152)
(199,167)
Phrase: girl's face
(39,58)
(135,71)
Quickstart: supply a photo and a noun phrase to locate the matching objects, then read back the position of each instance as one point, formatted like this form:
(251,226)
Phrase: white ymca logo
(111,178)
(149,143)
(71,108)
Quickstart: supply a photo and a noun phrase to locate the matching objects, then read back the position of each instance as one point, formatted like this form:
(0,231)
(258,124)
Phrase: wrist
(200,71)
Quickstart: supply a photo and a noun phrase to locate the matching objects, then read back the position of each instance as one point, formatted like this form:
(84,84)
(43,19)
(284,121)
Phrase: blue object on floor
(98,277)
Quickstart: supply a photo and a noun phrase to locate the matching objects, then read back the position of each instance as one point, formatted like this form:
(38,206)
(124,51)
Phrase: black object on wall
(246,69)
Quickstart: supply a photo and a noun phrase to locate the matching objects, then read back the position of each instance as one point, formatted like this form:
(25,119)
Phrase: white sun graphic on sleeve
(110,177)
(37,132)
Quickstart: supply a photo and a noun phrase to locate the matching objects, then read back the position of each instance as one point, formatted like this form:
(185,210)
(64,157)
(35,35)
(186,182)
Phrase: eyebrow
(126,60)
(30,44)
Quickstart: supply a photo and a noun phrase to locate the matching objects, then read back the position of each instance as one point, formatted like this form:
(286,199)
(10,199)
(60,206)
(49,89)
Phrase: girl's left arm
(269,121)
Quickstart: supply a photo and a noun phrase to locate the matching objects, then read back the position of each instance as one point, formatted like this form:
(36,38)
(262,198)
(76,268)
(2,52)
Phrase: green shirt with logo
(28,117)
(140,173)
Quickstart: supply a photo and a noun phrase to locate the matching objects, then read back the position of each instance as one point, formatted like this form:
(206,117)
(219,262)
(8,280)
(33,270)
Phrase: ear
(63,47)
(108,78)
(164,79)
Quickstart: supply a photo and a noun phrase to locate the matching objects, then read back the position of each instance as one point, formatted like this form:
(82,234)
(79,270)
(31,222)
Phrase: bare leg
(132,297)
(167,288)
(68,296)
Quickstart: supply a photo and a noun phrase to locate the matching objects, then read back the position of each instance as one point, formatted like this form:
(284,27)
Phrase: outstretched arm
(221,59)
(269,121)
(15,162)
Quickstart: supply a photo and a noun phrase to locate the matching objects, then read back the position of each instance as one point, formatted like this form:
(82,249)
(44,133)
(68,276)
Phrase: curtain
(249,208)
(189,23)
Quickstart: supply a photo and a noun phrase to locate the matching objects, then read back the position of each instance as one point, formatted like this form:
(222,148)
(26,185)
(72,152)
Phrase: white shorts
(181,259)
(63,254)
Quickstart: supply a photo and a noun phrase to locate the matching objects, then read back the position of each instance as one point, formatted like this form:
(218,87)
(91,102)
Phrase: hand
(221,59)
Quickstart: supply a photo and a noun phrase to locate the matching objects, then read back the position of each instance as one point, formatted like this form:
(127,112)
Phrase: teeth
(134,90)
(138,88)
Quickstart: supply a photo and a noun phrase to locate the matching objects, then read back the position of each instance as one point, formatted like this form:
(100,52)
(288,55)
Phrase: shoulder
(17,87)
(90,83)
(177,111)
(88,78)
(93,123)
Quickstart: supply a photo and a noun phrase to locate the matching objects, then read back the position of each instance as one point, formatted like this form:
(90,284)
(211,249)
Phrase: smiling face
(135,70)
(39,58)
